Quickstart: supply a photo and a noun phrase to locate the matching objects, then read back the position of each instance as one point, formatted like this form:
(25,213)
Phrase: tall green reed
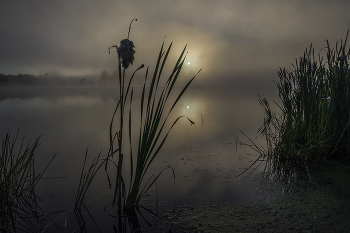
(152,128)
(313,120)
(19,209)
(152,133)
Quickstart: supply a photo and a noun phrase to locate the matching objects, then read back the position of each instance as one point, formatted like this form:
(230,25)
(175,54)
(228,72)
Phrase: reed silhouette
(313,121)
(155,109)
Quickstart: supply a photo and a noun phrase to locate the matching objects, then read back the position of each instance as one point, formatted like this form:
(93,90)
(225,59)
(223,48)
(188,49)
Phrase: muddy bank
(322,205)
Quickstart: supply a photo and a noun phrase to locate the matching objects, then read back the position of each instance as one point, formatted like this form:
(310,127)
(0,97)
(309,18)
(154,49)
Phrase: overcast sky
(229,39)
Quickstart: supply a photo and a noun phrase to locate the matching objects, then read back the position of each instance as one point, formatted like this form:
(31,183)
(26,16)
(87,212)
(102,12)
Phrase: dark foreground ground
(322,205)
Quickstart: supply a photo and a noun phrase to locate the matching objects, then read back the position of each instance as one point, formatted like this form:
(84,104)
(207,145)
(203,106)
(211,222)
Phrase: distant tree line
(41,80)
(56,80)
(113,79)
(20,79)
(109,79)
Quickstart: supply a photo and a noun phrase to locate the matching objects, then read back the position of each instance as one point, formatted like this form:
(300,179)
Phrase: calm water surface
(204,156)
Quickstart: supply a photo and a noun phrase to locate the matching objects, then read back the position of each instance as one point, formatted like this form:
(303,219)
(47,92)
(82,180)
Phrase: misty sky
(229,39)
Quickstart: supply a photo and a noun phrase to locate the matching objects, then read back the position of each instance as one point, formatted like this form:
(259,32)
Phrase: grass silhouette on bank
(313,121)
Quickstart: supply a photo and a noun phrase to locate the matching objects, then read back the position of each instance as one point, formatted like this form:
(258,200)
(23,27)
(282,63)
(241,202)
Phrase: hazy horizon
(232,41)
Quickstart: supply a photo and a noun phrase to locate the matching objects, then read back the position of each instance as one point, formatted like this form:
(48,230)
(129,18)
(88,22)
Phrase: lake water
(204,156)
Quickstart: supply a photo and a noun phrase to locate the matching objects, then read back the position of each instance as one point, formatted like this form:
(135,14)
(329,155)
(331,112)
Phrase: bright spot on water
(188,107)
(188,63)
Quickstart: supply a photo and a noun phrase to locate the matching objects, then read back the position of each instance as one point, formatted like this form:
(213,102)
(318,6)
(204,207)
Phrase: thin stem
(130,26)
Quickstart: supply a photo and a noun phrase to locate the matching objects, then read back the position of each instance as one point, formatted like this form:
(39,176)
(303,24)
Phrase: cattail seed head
(126,52)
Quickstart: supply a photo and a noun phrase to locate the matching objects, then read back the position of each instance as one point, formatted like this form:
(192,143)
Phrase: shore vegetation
(19,209)
(312,123)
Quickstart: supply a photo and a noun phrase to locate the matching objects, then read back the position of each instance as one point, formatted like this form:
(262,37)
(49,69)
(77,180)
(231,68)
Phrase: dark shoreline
(320,206)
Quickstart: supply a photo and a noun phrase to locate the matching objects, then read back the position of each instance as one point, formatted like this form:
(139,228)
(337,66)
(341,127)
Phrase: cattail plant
(152,128)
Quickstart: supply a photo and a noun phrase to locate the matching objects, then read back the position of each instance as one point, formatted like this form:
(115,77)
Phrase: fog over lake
(204,155)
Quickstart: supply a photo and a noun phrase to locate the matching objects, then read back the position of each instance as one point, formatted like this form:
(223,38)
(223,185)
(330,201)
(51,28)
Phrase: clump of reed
(313,121)
(151,124)
(18,178)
